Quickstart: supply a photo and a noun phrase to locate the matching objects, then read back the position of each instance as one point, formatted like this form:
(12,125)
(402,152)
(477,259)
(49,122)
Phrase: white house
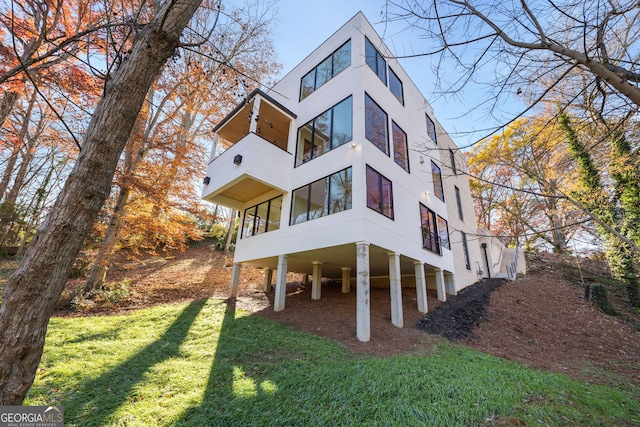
(341,170)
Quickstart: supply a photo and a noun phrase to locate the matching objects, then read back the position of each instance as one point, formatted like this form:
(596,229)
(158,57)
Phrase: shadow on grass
(102,397)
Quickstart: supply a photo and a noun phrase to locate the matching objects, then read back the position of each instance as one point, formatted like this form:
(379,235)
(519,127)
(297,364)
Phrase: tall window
(459,203)
(395,86)
(431,130)
(438,190)
(452,158)
(443,233)
(465,251)
(400,148)
(379,193)
(376,124)
(375,61)
(323,197)
(325,132)
(429,229)
(262,218)
(326,70)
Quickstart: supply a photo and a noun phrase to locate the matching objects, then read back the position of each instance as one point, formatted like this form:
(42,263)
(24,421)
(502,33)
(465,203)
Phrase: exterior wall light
(237,159)
(206,180)
(353,145)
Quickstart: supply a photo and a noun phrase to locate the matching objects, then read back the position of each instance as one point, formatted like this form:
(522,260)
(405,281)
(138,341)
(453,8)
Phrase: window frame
(267,223)
(430,238)
(378,60)
(403,164)
(465,250)
(326,198)
(444,239)
(389,213)
(392,76)
(431,129)
(438,185)
(459,202)
(299,158)
(452,159)
(367,97)
(302,94)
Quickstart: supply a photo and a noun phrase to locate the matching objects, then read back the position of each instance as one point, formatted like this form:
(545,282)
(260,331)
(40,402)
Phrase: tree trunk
(99,271)
(7,102)
(30,295)
(232,225)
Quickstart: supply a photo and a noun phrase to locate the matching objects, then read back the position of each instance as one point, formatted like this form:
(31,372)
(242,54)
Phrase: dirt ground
(542,319)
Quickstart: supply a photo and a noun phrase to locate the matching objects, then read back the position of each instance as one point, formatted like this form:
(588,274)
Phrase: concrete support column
(316,285)
(442,295)
(363,297)
(450,284)
(346,280)
(235,278)
(421,287)
(281,284)
(305,279)
(395,286)
(268,276)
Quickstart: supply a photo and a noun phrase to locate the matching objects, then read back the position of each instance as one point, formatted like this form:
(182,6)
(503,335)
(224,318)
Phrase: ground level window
(429,229)
(379,193)
(323,197)
(262,218)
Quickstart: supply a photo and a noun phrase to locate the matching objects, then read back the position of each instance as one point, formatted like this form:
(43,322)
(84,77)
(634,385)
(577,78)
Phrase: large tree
(32,291)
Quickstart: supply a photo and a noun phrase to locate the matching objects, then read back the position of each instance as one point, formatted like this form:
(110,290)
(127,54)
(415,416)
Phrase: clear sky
(302,25)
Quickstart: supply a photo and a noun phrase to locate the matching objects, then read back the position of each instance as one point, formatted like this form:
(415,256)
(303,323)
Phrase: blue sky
(302,25)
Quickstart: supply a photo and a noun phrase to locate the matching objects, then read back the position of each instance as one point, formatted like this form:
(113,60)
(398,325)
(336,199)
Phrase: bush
(107,296)
(601,297)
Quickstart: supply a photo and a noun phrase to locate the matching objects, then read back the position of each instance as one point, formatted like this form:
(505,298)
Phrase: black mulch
(456,318)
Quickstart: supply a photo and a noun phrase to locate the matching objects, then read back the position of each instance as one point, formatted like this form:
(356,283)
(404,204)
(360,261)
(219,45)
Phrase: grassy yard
(205,363)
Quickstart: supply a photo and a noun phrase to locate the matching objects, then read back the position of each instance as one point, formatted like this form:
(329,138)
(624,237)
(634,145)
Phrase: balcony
(255,136)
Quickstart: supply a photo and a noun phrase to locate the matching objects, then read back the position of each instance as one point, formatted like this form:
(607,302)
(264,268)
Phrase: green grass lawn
(205,363)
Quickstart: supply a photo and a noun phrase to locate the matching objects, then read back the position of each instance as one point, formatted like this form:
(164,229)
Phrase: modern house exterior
(342,171)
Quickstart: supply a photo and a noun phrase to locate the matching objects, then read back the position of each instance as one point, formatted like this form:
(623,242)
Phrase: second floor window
(325,132)
(429,229)
(262,218)
(438,190)
(376,125)
(326,70)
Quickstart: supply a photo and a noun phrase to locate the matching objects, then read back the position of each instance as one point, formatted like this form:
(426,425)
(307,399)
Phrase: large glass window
(400,148)
(326,70)
(323,197)
(459,203)
(429,229)
(329,130)
(452,159)
(465,251)
(379,193)
(431,130)
(262,218)
(395,86)
(376,124)
(375,61)
(438,190)
(443,233)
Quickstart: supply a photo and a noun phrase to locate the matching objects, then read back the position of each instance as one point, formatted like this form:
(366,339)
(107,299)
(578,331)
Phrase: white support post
(268,277)
(421,287)
(281,283)
(363,297)
(305,279)
(442,295)
(346,280)
(395,287)
(235,278)
(316,285)
(450,283)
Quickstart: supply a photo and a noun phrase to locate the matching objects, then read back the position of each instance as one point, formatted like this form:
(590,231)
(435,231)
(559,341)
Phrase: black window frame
(452,159)
(380,208)
(438,185)
(443,233)
(406,167)
(327,200)
(378,65)
(459,202)
(300,161)
(314,70)
(431,129)
(386,123)
(465,251)
(255,211)
(429,229)
(392,76)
